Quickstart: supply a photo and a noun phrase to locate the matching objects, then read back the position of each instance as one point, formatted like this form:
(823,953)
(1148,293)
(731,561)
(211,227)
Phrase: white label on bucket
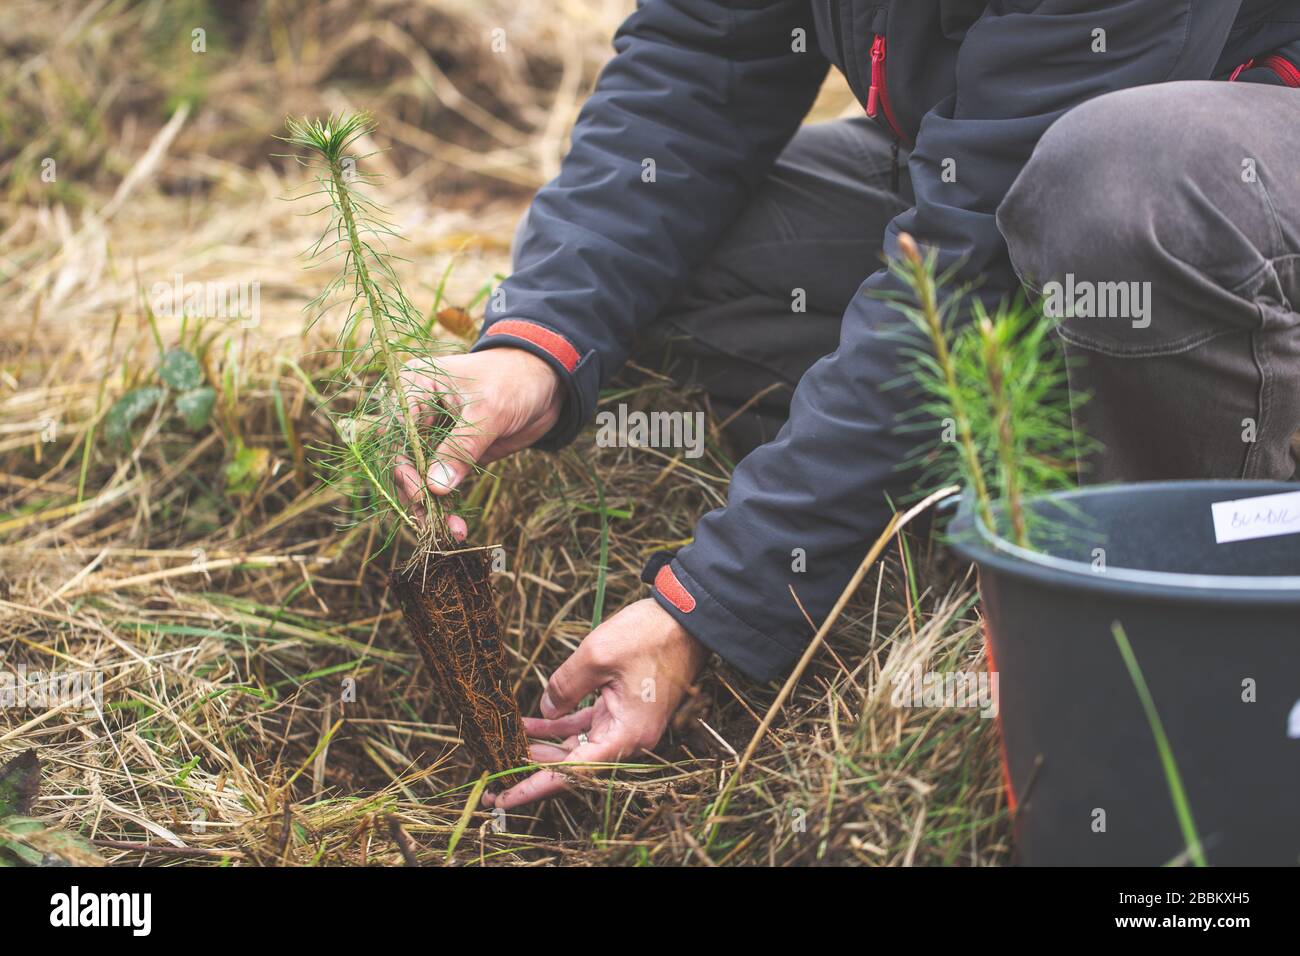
(1262,517)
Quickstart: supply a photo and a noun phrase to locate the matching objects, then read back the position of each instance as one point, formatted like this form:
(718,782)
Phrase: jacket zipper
(878,100)
(1287,71)
(878,95)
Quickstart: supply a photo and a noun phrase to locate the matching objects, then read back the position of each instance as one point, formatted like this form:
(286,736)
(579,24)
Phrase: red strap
(1241,69)
(552,343)
(1007,785)
(1286,71)
(666,583)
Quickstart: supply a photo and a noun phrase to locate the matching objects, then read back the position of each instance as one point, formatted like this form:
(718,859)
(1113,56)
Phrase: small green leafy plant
(383,417)
(180,383)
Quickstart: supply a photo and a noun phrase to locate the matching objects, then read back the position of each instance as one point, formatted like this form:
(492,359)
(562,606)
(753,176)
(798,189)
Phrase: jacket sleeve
(685,121)
(803,509)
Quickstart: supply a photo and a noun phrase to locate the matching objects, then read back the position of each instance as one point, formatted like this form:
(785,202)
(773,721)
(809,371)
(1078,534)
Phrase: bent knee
(1120,181)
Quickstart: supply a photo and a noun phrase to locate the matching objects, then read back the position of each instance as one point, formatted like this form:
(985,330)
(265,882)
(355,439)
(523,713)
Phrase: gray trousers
(1165,218)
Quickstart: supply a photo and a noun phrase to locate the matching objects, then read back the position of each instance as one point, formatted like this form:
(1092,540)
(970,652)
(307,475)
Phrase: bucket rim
(986,547)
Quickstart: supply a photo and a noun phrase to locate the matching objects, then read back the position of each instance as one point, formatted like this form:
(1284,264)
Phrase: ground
(262,704)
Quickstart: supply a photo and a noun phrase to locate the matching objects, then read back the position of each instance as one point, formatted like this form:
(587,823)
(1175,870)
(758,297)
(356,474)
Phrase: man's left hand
(642,662)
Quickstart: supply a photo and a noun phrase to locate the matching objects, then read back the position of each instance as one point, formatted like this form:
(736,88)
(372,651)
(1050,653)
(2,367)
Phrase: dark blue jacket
(711,90)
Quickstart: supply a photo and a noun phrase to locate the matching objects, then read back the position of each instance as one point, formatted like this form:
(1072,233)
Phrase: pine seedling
(1003,387)
(993,352)
(948,397)
(1028,408)
(382,418)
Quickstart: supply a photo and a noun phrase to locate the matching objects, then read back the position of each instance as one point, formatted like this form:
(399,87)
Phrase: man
(1134,159)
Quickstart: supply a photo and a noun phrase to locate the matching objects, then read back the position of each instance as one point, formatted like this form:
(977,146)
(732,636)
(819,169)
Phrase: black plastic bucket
(1216,632)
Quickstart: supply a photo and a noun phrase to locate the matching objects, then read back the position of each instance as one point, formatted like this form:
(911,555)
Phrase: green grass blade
(1182,809)
(603,569)
(466,814)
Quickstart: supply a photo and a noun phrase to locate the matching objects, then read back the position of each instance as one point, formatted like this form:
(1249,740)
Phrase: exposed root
(448,606)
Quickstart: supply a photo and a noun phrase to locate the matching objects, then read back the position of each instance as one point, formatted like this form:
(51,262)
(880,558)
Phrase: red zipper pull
(877,74)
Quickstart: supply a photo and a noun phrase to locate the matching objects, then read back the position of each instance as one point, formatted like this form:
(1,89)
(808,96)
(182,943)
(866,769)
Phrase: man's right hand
(506,399)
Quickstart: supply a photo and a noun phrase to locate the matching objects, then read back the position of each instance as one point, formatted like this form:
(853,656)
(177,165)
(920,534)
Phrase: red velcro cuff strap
(666,583)
(552,343)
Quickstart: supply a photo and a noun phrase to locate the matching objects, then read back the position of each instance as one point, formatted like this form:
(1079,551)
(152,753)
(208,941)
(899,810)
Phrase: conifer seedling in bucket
(383,417)
(1149,672)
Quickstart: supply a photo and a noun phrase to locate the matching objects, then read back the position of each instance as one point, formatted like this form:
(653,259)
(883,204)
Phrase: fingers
(641,639)
(543,784)
(457,455)
(577,677)
(432,399)
(407,480)
(482,396)
(429,397)
(551,753)
(538,753)
(561,727)
(547,783)
(468,443)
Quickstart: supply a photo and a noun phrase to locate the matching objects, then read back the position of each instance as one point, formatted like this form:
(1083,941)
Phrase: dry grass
(227,624)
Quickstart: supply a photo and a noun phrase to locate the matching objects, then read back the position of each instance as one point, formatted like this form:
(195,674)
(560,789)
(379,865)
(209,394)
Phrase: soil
(448,606)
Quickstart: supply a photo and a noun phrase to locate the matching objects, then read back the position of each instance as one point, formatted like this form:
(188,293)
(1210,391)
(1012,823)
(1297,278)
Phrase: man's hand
(642,662)
(506,398)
